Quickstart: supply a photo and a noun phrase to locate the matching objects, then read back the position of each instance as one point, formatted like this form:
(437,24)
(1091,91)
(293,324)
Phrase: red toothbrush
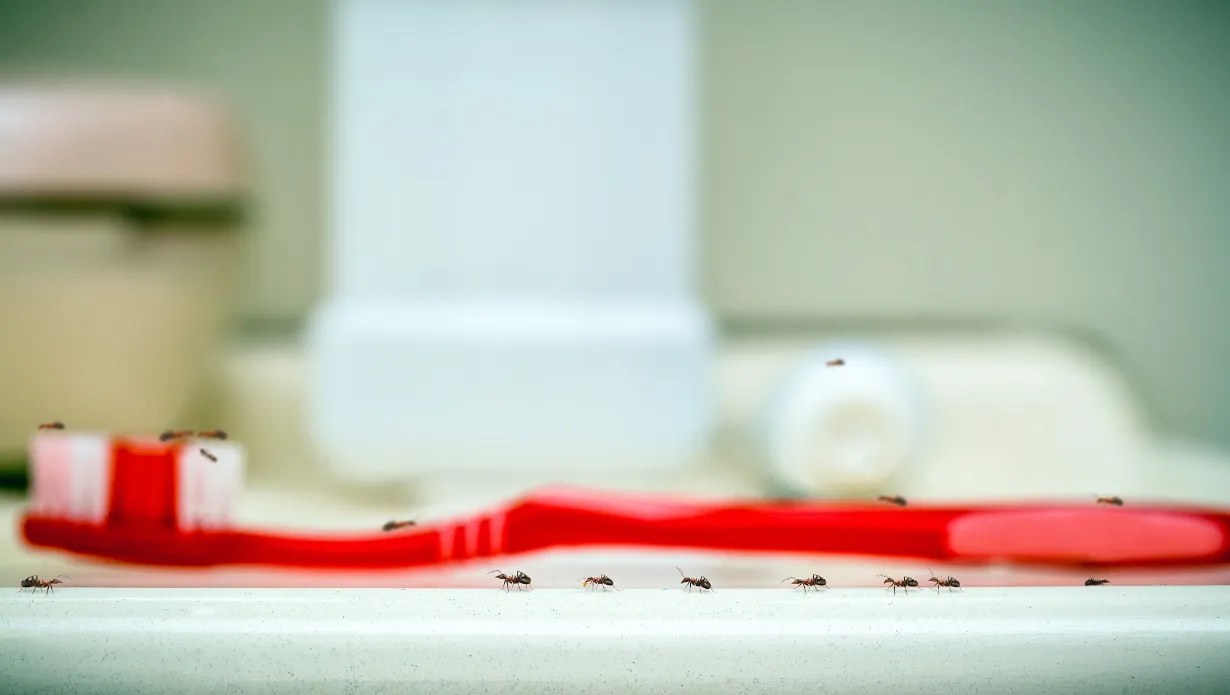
(158,515)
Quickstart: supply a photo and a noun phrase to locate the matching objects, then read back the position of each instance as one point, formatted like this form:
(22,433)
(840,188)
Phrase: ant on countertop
(815,582)
(695,581)
(951,582)
(519,578)
(601,580)
(905,583)
(33,582)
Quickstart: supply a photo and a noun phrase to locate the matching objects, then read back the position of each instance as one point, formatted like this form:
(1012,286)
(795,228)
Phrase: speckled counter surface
(1088,640)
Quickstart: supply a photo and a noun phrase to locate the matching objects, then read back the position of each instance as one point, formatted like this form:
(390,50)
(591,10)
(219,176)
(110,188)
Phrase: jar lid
(115,142)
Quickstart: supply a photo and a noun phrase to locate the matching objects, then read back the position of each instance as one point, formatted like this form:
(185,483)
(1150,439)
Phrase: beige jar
(120,208)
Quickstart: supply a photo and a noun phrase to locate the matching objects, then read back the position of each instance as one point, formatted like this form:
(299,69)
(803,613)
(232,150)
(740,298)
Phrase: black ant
(34,582)
(394,525)
(892,499)
(695,581)
(1115,500)
(519,578)
(601,580)
(212,434)
(950,582)
(174,434)
(57,425)
(905,583)
(1096,582)
(835,363)
(816,581)
(209,456)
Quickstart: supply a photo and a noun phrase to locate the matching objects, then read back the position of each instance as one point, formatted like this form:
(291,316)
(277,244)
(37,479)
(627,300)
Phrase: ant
(1115,500)
(904,583)
(835,363)
(394,525)
(601,580)
(519,578)
(57,425)
(34,582)
(174,434)
(892,499)
(212,434)
(1096,582)
(209,456)
(695,581)
(816,581)
(951,582)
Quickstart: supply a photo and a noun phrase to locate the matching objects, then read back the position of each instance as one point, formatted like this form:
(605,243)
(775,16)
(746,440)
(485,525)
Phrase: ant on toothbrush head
(892,499)
(57,425)
(815,582)
(951,582)
(601,580)
(209,456)
(1115,500)
(212,434)
(519,578)
(905,583)
(170,435)
(695,581)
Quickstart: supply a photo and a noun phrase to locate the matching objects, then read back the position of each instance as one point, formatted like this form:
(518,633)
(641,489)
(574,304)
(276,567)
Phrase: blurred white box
(513,242)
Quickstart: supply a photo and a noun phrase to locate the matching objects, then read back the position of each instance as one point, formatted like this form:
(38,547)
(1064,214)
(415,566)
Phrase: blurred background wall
(1063,165)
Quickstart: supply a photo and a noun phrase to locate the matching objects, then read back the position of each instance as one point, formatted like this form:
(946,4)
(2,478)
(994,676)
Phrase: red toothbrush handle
(1056,535)
(801,528)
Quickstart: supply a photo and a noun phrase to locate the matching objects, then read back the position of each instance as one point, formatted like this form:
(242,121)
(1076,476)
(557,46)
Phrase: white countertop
(1010,640)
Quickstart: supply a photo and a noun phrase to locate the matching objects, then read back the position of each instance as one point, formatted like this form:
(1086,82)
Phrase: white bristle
(208,489)
(90,484)
(51,460)
(71,477)
(191,489)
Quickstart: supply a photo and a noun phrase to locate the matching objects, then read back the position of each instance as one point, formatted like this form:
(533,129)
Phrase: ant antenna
(787,579)
(681,574)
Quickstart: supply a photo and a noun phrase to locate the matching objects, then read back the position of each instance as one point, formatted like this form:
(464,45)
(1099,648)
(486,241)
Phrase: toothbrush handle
(1039,534)
(843,530)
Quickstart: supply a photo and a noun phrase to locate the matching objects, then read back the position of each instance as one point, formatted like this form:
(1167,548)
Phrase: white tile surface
(1088,640)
